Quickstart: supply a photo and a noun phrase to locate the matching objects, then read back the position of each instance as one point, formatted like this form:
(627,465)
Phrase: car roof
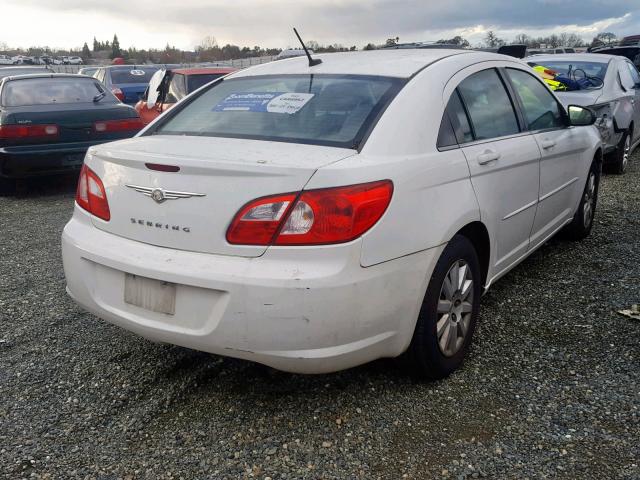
(567,57)
(203,70)
(46,75)
(402,63)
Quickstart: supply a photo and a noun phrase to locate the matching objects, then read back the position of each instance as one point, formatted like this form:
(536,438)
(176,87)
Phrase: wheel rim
(626,152)
(455,307)
(589,200)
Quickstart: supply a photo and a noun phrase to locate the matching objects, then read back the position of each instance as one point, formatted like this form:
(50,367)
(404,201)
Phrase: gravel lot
(551,389)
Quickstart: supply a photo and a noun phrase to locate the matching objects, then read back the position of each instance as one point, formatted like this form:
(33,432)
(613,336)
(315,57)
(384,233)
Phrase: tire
(582,223)
(430,355)
(619,158)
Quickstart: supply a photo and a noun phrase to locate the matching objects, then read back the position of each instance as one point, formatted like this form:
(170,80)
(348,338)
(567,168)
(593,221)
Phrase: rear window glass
(133,75)
(194,82)
(577,70)
(44,91)
(335,110)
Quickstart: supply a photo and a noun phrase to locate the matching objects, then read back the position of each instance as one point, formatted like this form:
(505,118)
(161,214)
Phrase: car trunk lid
(217,177)
(132,91)
(75,121)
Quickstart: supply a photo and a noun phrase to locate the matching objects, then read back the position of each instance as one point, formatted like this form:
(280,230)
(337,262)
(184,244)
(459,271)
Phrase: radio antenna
(312,61)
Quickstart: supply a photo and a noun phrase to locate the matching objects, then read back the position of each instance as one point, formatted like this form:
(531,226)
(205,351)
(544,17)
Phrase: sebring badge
(159,195)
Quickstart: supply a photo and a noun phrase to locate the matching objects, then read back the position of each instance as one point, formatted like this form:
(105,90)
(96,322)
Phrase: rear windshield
(194,82)
(577,70)
(133,75)
(45,91)
(334,110)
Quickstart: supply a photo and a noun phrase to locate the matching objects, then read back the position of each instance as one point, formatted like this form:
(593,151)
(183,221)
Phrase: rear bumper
(33,160)
(306,310)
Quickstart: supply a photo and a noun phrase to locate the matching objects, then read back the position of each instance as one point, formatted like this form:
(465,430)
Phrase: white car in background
(317,218)
(5,60)
(614,94)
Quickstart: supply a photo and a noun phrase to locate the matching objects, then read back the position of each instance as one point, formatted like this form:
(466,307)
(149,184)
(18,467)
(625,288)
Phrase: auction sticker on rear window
(271,102)
(137,73)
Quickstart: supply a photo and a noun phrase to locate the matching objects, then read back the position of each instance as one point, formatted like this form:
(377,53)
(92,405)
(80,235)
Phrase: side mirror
(581,116)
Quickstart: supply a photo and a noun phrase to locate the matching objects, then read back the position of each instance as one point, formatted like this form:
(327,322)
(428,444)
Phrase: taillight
(313,217)
(118,93)
(14,132)
(124,125)
(91,194)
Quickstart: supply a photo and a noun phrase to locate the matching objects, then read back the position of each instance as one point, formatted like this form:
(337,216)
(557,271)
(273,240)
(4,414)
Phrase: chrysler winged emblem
(159,195)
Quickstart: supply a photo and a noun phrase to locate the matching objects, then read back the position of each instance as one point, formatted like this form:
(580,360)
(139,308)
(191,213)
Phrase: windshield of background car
(194,82)
(333,110)
(132,75)
(46,91)
(577,70)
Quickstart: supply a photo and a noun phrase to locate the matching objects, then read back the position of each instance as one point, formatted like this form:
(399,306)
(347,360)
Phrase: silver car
(612,89)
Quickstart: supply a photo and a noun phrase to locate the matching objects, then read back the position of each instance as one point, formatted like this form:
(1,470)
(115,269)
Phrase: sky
(268,23)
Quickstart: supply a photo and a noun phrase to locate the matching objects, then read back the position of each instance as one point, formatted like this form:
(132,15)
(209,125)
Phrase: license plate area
(150,294)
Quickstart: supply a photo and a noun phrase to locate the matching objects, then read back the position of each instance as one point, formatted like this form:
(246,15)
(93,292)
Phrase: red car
(174,86)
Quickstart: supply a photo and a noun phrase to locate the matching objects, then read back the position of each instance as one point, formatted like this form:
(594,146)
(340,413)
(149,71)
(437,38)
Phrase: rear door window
(490,109)
(454,128)
(634,73)
(541,109)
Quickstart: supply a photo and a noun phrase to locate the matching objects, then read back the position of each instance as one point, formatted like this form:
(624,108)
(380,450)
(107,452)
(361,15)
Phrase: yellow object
(549,76)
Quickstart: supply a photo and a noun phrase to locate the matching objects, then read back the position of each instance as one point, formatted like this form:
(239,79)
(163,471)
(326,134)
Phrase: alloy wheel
(455,306)
(589,200)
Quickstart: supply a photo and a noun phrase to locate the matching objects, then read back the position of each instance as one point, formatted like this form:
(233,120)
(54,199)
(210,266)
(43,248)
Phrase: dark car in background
(127,82)
(48,121)
(173,86)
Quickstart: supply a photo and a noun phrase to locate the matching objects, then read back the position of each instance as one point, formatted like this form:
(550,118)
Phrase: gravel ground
(551,388)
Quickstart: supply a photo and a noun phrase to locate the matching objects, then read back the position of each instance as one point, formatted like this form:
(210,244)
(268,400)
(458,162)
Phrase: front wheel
(449,312)
(582,223)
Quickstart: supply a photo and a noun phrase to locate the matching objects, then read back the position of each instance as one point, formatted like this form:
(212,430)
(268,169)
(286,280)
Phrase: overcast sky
(153,23)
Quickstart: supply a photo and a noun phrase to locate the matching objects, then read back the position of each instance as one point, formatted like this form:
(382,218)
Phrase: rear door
(503,162)
(561,150)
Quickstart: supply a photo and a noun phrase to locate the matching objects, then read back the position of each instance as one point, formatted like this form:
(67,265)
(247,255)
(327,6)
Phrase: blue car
(126,82)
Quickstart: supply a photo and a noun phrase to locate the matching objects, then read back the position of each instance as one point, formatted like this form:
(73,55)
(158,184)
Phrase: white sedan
(314,218)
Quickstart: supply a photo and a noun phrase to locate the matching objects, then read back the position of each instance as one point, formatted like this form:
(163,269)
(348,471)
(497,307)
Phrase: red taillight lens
(28,131)
(315,217)
(126,124)
(91,194)
(118,93)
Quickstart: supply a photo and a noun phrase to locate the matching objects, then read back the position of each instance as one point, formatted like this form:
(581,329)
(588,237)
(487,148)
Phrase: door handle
(487,157)
(547,144)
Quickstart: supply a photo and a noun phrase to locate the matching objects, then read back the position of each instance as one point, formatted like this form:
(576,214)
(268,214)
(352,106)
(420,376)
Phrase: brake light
(91,195)
(126,124)
(313,217)
(118,93)
(28,131)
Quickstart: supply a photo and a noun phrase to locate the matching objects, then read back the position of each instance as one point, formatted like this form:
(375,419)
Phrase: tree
(392,41)
(115,47)
(604,38)
(523,39)
(369,46)
(86,53)
(492,40)
(96,45)
(457,40)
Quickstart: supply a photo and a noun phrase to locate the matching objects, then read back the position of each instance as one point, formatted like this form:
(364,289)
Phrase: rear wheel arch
(478,235)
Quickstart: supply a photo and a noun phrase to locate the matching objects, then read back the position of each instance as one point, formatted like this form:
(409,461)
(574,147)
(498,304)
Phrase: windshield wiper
(99,97)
